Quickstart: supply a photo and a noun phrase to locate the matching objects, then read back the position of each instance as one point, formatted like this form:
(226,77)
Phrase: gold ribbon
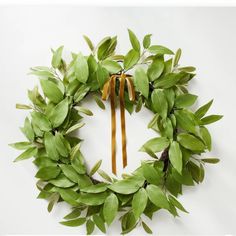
(109,89)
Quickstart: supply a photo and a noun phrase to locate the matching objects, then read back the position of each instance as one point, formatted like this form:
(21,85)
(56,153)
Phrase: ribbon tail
(122,118)
(113,124)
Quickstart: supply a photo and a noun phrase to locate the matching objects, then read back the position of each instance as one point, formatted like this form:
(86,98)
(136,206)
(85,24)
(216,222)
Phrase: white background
(207,37)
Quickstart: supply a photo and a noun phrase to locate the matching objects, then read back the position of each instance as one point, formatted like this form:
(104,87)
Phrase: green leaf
(194,170)
(151,174)
(201,174)
(62,145)
(75,127)
(84,181)
(69,195)
(58,113)
(147,41)
(99,223)
(112,66)
(51,90)
(156,69)
(177,57)
(103,52)
(52,201)
(38,132)
(75,150)
(153,121)
(99,102)
(72,87)
(42,71)
(156,144)
(170,97)
(104,175)
(83,110)
(185,178)
(95,168)
(134,41)
(110,208)
(127,186)
(62,181)
(89,42)
(128,222)
(30,152)
(146,228)
(159,102)
(92,199)
(49,142)
(117,57)
(175,156)
(28,130)
(173,210)
(92,64)
(185,100)
(203,110)
(141,81)
(176,203)
(139,202)
(41,121)
(168,80)
(97,188)
(56,59)
(89,226)
(74,214)
(187,69)
(211,160)
(36,98)
(81,68)
(23,106)
(69,172)
(161,50)
(185,120)
(149,152)
(190,142)
(168,66)
(43,161)
(21,145)
(210,119)
(81,92)
(131,58)
(168,128)
(74,223)
(102,75)
(139,104)
(206,137)
(49,172)
(157,197)
(78,163)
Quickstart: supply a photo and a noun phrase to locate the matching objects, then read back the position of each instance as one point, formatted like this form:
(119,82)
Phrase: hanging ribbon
(109,89)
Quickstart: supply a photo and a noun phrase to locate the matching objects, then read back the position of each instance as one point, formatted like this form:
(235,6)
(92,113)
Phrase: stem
(165,158)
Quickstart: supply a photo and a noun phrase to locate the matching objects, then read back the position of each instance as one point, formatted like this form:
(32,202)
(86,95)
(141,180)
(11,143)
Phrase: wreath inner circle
(147,76)
(96,133)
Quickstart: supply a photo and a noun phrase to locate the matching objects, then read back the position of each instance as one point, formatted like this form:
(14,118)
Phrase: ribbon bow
(109,90)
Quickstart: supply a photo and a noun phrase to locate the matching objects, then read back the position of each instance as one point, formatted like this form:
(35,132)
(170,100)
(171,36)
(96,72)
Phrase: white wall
(207,37)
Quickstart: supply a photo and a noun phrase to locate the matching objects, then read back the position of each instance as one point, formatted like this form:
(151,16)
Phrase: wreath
(149,76)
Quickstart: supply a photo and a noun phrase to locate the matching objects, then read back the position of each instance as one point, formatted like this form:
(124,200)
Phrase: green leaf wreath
(160,85)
